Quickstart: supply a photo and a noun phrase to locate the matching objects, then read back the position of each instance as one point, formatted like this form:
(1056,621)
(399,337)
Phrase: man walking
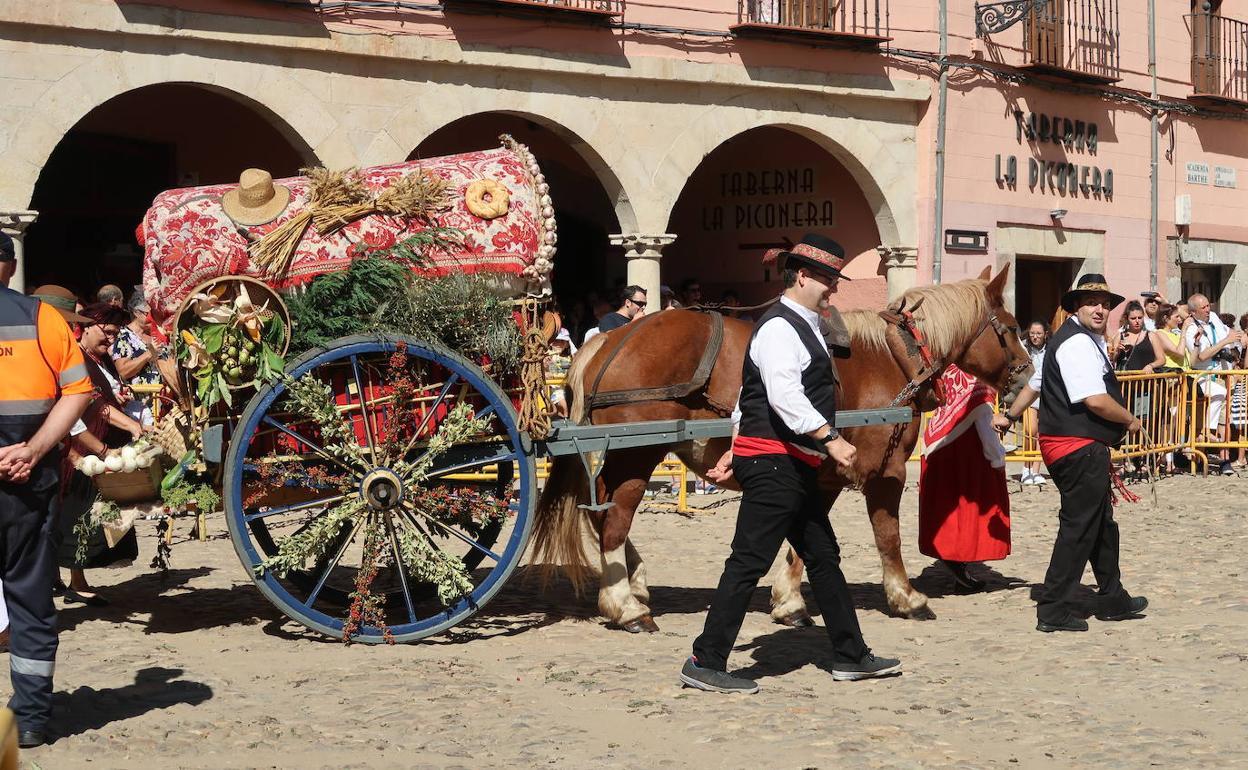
(1082,415)
(44,391)
(787,413)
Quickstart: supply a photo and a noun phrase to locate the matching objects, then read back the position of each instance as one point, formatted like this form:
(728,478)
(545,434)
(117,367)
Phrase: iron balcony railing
(1079,37)
(1219,57)
(866,18)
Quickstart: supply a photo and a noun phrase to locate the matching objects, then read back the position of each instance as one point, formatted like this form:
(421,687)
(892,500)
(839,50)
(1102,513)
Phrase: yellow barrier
(8,740)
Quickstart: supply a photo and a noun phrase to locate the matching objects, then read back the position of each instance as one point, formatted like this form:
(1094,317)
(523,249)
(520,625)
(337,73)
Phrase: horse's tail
(559,524)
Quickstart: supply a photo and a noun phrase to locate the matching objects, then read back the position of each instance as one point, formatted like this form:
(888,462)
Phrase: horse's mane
(960,307)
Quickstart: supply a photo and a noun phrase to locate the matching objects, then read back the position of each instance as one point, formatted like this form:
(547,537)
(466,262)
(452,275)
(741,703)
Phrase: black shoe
(1227,468)
(1134,607)
(28,739)
(94,600)
(867,668)
(693,675)
(963,583)
(1069,623)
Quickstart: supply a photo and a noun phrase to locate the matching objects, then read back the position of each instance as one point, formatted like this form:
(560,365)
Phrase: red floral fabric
(188,238)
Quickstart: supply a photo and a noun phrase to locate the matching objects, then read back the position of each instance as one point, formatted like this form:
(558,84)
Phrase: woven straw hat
(256,200)
(62,300)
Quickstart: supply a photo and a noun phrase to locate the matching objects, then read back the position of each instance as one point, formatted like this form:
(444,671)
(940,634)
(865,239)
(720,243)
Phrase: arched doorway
(99,181)
(585,272)
(766,188)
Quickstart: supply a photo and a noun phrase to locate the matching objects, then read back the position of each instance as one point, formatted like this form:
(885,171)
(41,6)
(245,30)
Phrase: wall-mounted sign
(966,240)
(1224,176)
(1057,176)
(1197,173)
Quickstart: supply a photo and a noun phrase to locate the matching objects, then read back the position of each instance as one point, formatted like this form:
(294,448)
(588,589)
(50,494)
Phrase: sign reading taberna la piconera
(1057,175)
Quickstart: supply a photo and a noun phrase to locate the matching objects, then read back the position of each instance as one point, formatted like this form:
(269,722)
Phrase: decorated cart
(378,485)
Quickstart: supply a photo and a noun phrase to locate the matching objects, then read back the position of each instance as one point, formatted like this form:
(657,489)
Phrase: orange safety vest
(39,361)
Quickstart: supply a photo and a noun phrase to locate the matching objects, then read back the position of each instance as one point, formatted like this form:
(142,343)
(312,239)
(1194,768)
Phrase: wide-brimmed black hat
(1092,283)
(816,252)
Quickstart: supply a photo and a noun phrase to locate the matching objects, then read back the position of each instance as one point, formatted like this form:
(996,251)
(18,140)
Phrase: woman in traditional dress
(964,507)
(104,426)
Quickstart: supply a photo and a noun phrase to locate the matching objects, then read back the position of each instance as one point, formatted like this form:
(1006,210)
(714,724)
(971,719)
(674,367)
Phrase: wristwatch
(832,435)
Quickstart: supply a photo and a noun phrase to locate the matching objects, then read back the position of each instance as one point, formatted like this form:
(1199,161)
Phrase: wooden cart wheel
(366,440)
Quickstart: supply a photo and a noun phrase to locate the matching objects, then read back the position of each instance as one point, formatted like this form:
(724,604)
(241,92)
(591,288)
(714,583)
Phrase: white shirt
(1037,374)
(1150,324)
(1214,331)
(781,357)
(1080,375)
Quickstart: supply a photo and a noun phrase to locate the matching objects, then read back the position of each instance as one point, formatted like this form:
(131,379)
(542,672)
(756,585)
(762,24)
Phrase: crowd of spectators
(1156,336)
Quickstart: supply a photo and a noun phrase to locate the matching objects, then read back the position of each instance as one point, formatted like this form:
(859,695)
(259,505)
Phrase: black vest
(758,419)
(1059,417)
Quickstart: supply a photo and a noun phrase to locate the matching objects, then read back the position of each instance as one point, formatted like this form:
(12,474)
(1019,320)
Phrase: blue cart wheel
(381,456)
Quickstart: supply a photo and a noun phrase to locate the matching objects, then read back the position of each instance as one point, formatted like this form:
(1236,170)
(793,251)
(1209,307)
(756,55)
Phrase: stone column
(901,264)
(14,224)
(643,253)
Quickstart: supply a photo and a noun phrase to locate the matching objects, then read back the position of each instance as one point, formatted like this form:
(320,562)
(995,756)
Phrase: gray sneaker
(867,668)
(693,675)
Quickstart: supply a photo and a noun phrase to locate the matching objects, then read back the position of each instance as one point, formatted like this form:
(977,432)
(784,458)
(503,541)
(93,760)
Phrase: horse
(897,356)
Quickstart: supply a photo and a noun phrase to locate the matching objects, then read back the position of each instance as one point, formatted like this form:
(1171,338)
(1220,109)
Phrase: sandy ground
(198,671)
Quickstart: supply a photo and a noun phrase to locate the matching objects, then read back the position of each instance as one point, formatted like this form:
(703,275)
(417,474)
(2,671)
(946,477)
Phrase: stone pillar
(14,224)
(901,264)
(643,253)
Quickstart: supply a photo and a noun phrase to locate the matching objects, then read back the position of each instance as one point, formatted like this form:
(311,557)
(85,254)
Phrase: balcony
(566,10)
(1073,40)
(1219,59)
(839,23)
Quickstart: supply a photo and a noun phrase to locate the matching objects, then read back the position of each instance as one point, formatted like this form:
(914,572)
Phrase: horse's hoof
(644,623)
(921,613)
(799,619)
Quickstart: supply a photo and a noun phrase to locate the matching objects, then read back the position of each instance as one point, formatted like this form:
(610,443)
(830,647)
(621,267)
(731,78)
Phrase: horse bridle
(932,368)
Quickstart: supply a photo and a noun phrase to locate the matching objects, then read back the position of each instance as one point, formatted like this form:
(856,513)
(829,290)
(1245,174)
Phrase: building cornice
(85,16)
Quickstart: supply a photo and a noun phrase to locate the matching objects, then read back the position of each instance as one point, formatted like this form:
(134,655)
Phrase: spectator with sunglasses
(632,307)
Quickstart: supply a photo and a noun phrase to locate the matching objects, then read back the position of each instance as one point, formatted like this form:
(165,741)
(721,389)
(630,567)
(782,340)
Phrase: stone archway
(587,199)
(766,188)
(873,142)
(98,181)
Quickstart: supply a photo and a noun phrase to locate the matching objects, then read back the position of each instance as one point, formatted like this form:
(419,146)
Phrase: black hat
(816,252)
(1092,283)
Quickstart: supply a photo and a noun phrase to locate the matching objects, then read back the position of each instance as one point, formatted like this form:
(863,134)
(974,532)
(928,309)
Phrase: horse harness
(595,400)
(932,368)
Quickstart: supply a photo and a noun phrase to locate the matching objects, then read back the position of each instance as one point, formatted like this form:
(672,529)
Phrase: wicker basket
(136,486)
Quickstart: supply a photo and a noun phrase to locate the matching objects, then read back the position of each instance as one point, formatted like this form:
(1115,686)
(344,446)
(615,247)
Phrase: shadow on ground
(87,708)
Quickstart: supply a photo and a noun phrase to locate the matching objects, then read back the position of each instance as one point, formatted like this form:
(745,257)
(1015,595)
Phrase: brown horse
(963,323)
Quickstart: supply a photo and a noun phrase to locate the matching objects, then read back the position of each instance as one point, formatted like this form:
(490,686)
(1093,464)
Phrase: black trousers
(28,569)
(1086,533)
(781,501)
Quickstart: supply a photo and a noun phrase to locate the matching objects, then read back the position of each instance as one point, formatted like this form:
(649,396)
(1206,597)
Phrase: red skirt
(964,506)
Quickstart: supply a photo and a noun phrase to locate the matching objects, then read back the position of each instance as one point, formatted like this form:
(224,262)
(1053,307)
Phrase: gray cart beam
(568,439)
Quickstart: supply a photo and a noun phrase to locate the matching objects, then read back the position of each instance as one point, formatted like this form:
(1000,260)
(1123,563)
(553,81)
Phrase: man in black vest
(1082,415)
(787,409)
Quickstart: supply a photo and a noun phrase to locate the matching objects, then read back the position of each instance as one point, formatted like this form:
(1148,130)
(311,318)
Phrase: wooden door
(1206,47)
(1043,31)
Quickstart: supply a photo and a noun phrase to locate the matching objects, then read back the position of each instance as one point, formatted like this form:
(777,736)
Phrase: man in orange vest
(44,390)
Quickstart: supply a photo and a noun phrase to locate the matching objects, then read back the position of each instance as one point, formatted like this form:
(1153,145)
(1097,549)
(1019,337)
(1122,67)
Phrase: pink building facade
(681,140)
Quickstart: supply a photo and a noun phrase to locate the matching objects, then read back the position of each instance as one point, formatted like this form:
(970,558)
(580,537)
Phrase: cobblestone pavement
(199,671)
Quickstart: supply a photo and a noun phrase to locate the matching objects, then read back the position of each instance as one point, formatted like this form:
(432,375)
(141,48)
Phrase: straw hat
(62,300)
(256,200)
(1091,283)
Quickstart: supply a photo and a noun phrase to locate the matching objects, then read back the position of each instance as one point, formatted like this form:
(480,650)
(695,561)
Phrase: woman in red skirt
(964,507)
